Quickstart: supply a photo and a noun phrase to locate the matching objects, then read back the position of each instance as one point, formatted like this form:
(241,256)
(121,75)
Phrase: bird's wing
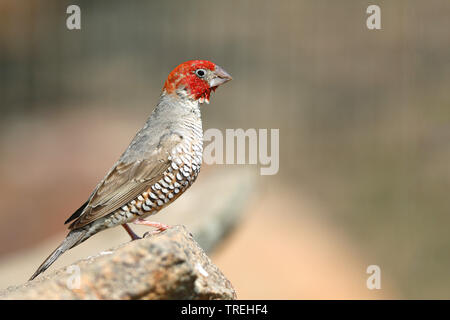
(126,181)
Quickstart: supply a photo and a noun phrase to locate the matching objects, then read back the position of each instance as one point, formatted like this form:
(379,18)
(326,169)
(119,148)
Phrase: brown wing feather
(125,182)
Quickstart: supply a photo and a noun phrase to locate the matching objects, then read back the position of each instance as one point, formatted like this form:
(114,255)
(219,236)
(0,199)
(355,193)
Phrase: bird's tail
(73,238)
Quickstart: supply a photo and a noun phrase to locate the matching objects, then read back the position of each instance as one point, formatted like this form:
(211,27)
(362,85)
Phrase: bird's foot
(131,233)
(160,227)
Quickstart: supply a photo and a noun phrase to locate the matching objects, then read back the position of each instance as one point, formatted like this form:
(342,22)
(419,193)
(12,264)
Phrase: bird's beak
(221,76)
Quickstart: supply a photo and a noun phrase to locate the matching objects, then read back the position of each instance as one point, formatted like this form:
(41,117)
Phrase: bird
(162,161)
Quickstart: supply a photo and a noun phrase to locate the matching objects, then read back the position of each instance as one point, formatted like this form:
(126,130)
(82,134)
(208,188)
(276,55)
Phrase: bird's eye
(200,73)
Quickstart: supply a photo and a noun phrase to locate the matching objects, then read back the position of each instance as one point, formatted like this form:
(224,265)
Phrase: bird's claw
(152,233)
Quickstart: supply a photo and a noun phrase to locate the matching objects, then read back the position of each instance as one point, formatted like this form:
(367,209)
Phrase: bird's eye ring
(200,73)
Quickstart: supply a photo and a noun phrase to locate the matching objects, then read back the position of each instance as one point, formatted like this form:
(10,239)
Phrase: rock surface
(168,265)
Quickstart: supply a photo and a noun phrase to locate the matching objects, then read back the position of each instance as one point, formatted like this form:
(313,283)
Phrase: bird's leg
(133,235)
(158,225)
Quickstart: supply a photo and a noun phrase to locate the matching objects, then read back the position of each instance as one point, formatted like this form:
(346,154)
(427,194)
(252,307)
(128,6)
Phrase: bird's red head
(197,78)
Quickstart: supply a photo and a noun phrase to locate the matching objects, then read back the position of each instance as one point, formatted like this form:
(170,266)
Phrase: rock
(168,265)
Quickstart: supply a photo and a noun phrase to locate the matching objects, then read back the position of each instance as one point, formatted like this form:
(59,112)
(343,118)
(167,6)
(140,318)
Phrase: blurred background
(364,119)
